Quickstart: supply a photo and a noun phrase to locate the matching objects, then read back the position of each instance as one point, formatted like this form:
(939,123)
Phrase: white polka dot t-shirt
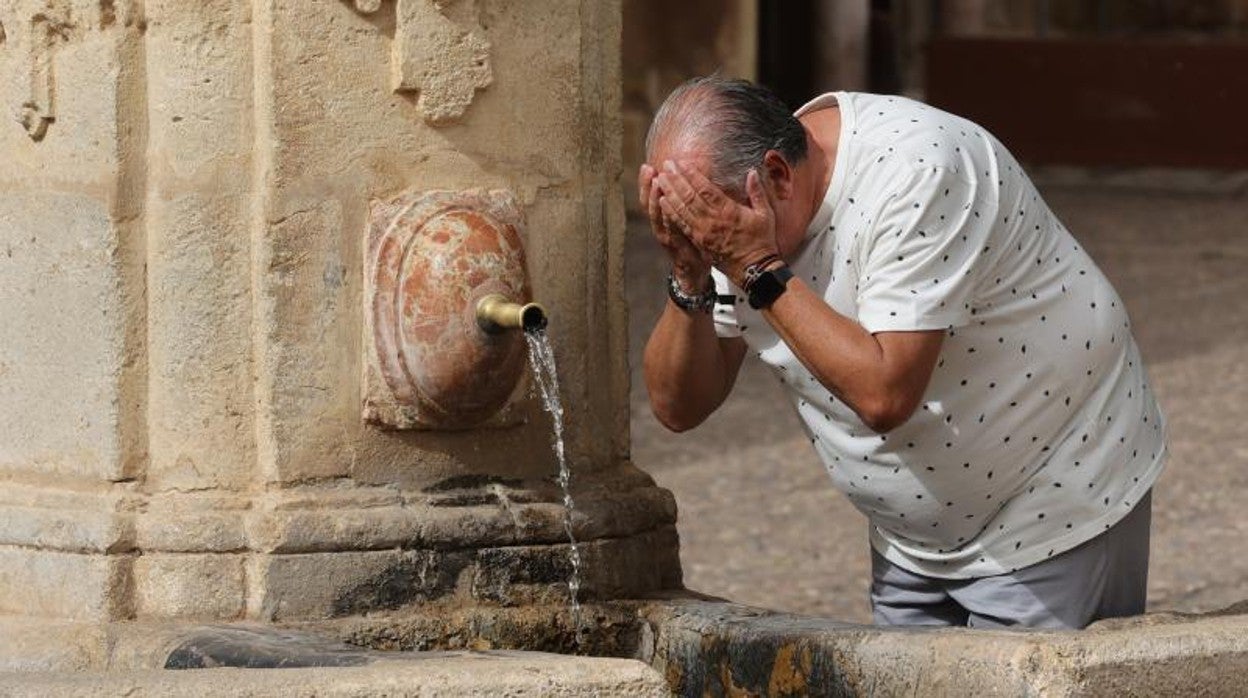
(1038,430)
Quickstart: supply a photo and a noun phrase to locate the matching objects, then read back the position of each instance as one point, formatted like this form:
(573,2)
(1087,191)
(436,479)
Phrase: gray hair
(737,120)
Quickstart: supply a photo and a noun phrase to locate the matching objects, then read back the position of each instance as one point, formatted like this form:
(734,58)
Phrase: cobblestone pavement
(761,524)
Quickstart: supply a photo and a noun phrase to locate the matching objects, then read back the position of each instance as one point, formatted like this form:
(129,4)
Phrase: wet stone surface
(262,648)
(614,629)
(716,648)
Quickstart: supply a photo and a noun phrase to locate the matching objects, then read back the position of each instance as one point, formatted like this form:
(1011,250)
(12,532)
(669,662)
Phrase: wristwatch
(768,286)
(702,302)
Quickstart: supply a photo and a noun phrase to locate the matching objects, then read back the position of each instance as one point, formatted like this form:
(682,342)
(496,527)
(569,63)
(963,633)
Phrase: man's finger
(676,184)
(681,220)
(706,189)
(679,210)
(644,175)
(652,203)
(675,212)
(758,195)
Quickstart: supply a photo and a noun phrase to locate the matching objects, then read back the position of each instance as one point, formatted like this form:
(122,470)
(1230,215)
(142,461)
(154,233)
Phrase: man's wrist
(699,302)
(693,282)
(755,266)
(767,286)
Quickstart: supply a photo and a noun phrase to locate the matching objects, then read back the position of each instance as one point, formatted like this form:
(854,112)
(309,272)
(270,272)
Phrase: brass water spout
(495,313)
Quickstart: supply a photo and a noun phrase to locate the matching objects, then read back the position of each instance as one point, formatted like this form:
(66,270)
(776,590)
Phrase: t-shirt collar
(823,217)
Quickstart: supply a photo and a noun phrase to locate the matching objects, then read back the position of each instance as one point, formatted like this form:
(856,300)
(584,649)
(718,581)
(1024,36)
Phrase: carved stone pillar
(184,236)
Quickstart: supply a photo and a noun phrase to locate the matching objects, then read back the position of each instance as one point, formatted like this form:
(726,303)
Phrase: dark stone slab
(715,648)
(262,648)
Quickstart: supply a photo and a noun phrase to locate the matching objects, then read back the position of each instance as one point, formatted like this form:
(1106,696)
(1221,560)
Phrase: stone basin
(683,644)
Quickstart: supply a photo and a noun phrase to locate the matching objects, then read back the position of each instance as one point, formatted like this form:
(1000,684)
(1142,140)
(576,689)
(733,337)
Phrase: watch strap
(755,270)
(768,286)
(692,302)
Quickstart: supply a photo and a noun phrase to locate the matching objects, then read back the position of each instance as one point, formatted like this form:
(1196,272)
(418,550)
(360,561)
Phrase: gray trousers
(1106,577)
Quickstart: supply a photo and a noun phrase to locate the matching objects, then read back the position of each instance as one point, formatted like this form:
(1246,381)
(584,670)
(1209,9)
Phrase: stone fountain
(244,245)
(249,415)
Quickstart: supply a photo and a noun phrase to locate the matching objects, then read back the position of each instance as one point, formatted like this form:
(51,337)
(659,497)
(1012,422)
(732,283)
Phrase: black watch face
(766,289)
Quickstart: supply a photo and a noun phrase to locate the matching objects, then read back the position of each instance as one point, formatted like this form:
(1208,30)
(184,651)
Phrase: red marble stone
(431,257)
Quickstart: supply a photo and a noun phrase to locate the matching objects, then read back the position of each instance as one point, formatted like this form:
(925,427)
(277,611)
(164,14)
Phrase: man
(963,369)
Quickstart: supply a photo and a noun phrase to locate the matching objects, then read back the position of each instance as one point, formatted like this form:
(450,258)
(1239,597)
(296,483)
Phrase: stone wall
(184,201)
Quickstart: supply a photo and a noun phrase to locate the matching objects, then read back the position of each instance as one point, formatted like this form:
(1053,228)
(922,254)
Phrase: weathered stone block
(63,585)
(43,517)
(440,53)
(307,586)
(325,585)
(308,418)
(176,527)
(470,675)
(62,353)
(623,568)
(173,585)
(32,644)
(199,337)
(198,215)
(712,648)
(60,66)
(64,530)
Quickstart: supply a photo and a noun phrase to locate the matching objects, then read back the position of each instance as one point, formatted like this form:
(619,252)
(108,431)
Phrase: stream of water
(542,358)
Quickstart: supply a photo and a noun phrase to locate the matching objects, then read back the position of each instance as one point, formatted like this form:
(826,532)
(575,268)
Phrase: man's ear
(778,174)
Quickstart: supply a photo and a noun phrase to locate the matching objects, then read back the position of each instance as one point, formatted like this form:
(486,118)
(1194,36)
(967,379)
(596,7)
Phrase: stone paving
(760,523)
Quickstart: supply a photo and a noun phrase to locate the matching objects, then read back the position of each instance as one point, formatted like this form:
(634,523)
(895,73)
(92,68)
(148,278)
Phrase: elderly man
(963,369)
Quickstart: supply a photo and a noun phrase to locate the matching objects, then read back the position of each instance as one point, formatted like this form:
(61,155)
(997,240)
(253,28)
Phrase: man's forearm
(686,372)
(882,378)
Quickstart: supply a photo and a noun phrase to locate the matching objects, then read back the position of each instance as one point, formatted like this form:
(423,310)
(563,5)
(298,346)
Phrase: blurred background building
(1080,82)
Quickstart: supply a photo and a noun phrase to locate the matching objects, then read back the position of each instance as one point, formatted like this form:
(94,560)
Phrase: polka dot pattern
(1038,429)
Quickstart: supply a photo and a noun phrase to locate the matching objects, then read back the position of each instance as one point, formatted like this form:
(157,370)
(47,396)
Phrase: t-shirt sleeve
(925,254)
(725,313)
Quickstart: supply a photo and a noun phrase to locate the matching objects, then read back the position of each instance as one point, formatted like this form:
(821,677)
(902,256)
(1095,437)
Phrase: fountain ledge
(699,646)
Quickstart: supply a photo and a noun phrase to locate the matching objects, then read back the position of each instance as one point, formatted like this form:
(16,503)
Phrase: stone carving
(431,256)
(445,61)
(439,53)
(31,32)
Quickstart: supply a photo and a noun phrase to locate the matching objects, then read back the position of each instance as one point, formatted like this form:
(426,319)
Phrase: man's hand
(733,235)
(688,370)
(689,266)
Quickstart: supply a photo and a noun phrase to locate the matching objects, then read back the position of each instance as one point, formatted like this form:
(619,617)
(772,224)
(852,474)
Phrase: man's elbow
(886,413)
(676,414)
(672,420)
